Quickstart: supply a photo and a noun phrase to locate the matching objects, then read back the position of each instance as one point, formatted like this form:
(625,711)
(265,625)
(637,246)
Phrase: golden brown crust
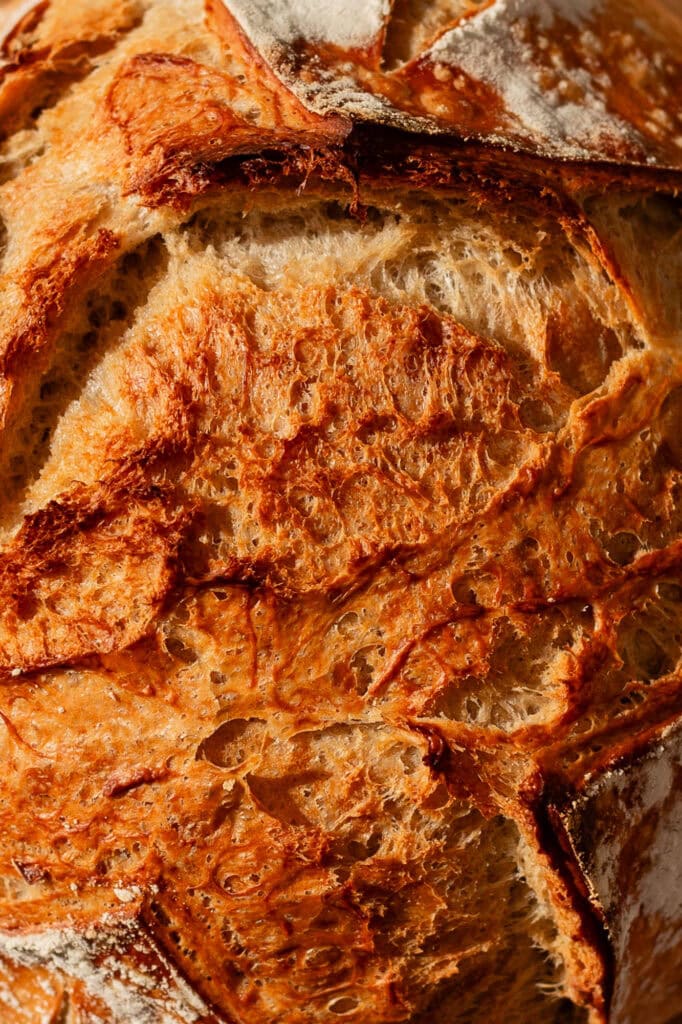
(341,550)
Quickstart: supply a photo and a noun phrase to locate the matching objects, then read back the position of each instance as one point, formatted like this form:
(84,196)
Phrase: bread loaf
(340,512)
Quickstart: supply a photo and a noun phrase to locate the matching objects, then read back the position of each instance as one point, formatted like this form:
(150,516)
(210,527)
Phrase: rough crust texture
(340,468)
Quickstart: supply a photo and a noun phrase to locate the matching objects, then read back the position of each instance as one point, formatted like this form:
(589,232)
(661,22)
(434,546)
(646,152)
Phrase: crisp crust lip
(553,839)
(385,158)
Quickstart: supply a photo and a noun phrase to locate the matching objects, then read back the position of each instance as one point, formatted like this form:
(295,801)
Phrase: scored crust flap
(597,80)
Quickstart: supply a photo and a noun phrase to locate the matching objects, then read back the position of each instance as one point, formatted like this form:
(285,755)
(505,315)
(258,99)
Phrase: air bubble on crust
(233,742)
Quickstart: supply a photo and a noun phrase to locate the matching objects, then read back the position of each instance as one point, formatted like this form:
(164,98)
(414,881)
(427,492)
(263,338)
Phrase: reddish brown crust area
(324,590)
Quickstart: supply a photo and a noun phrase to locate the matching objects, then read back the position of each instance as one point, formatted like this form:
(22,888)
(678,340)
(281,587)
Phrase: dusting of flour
(513,46)
(104,960)
(345,23)
(492,47)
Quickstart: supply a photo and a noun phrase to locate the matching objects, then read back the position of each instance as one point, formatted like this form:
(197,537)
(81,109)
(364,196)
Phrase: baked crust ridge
(341,544)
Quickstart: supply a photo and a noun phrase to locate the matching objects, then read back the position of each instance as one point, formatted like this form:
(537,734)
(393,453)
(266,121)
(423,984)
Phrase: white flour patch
(344,23)
(492,48)
(103,959)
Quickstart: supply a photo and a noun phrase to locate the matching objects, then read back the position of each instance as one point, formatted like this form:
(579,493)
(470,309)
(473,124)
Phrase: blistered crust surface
(339,512)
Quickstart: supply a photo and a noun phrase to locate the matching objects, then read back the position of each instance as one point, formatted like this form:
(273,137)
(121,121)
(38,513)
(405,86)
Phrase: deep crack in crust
(340,592)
